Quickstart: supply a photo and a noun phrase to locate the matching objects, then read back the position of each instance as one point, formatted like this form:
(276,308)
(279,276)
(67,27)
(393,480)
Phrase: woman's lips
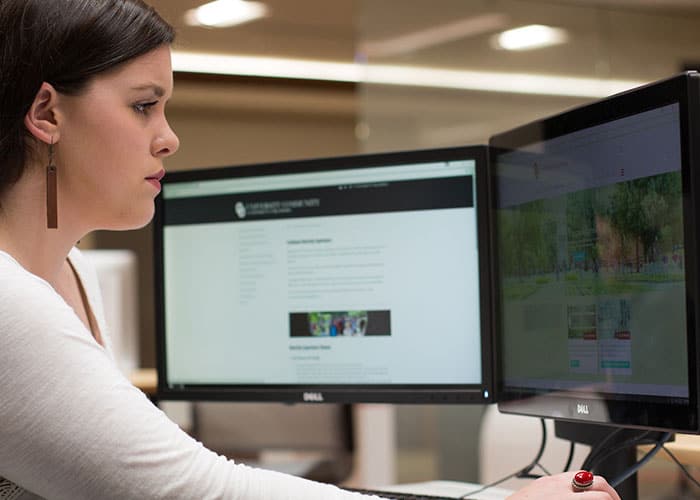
(154,179)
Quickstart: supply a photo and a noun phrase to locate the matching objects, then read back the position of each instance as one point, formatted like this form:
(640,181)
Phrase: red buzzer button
(582,479)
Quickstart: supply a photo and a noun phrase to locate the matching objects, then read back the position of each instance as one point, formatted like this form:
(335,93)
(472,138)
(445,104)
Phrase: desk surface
(449,489)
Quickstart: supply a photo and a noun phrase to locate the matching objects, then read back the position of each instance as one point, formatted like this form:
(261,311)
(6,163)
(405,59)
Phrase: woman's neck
(23,231)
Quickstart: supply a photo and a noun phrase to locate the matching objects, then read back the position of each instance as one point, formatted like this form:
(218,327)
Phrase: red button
(583,479)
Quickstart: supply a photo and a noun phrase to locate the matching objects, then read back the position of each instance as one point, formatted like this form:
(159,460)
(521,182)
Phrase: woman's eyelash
(143,107)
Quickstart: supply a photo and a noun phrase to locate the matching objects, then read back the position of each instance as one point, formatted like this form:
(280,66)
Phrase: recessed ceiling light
(529,37)
(225,13)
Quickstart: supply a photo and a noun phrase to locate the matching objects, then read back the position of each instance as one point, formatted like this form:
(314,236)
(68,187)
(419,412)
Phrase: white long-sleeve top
(73,427)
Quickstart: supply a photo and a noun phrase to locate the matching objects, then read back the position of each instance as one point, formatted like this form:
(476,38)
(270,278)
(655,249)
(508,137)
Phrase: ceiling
(337,30)
(314,29)
(632,40)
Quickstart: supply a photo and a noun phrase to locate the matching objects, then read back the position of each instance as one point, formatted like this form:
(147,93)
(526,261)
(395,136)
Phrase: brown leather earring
(51,192)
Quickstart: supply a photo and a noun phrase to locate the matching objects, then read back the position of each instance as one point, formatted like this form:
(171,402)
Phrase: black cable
(525,472)
(601,457)
(631,443)
(546,472)
(682,467)
(570,458)
(598,448)
(633,469)
(600,451)
(490,485)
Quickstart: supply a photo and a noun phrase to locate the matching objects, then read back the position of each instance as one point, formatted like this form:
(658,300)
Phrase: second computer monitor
(361,278)
(595,242)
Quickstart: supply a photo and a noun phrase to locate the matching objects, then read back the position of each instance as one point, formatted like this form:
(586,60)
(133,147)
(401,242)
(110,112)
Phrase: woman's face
(113,139)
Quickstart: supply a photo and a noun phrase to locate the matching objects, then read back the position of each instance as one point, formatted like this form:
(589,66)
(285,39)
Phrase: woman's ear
(40,120)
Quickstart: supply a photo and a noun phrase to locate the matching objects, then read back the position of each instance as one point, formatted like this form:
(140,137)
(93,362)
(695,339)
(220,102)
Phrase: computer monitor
(353,279)
(595,244)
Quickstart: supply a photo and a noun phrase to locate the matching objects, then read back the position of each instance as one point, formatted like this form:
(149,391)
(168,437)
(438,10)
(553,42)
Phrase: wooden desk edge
(686,449)
(145,379)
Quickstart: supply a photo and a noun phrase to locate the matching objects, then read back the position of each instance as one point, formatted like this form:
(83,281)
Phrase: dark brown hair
(64,43)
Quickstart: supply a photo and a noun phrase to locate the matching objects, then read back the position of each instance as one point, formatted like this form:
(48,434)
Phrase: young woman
(83,136)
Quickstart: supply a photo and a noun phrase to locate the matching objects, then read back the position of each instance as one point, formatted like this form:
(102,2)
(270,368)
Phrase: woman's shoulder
(18,281)
(27,299)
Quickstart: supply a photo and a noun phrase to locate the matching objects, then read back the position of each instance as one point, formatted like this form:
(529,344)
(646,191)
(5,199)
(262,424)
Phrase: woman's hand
(559,487)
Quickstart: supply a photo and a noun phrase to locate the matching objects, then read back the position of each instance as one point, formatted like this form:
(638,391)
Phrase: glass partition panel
(434,75)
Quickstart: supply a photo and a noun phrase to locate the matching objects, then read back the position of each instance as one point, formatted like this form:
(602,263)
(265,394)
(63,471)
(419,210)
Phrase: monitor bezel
(634,412)
(335,393)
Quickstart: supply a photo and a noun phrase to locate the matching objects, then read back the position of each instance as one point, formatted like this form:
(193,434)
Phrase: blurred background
(312,78)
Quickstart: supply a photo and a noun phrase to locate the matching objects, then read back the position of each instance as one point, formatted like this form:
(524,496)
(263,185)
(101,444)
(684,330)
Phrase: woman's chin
(132,220)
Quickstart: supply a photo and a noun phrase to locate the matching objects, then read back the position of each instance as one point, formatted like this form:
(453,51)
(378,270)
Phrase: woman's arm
(74,428)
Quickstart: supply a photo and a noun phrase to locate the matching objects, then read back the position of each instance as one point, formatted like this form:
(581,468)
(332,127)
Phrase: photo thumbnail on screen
(340,324)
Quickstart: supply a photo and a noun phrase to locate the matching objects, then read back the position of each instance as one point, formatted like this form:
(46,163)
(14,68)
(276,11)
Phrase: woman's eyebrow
(157,89)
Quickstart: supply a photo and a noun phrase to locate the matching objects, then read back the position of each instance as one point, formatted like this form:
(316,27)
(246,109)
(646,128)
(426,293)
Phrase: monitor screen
(360,278)
(595,270)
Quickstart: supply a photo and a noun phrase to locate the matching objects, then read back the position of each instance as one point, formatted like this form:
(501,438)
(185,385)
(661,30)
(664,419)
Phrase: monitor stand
(613,466)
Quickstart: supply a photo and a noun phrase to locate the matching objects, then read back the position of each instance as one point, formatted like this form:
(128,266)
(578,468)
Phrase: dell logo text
(315,397)
(582,409)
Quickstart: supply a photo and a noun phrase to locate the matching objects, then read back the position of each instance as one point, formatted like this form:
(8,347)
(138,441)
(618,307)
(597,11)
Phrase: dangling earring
(51,192)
